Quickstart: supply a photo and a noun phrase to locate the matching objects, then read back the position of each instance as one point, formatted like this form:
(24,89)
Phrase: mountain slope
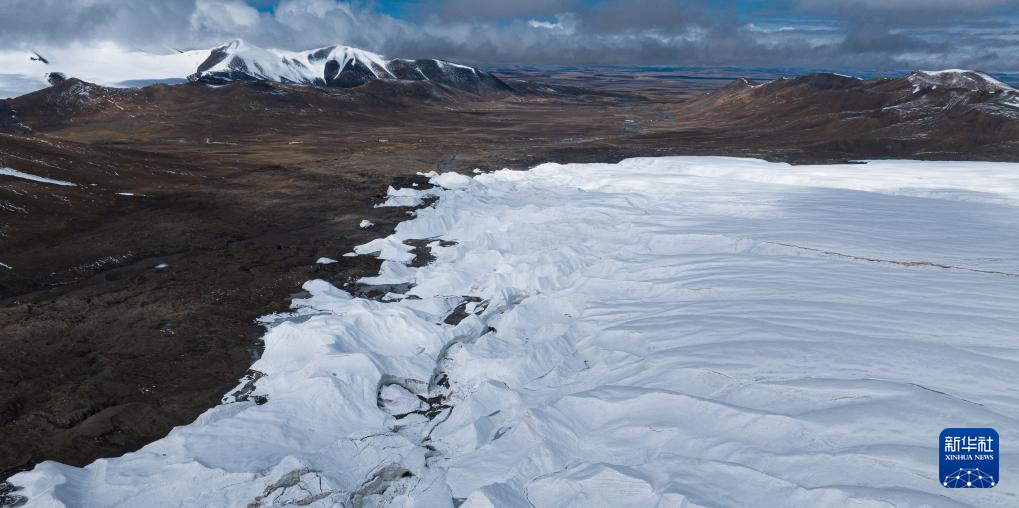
(9,122)
(335,66)
(932,92)
(938,113)
(957,79)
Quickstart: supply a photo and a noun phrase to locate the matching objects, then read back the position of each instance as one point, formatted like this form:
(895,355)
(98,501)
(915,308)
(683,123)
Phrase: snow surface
(660,332)
(956,72)
(306,67)
(365,224)
(35,178)
(106,64)
(266,63)
(451,180)
(406,196)
(959,78)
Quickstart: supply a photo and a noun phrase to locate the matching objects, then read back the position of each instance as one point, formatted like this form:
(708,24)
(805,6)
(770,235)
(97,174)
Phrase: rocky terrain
(128,299)
(932,115)
(9,120)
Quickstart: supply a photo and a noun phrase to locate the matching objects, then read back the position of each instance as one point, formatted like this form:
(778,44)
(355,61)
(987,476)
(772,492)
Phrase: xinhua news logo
(969,458)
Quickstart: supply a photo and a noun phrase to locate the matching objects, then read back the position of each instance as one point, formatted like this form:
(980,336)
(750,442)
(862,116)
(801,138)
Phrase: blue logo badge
(969,458)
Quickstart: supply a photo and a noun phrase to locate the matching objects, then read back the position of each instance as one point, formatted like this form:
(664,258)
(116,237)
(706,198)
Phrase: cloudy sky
(850,34)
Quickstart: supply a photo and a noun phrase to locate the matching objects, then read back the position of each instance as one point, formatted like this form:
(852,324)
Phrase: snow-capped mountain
(957,78)
(339,66)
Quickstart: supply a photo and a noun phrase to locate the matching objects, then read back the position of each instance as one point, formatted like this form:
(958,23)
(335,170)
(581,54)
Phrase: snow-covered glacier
(684,331)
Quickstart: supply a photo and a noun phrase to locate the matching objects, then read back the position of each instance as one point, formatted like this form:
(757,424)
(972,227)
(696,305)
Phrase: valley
(128,300)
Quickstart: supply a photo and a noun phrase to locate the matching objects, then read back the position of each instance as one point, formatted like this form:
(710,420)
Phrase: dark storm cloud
(68,21)
(461,10)
(864,38)
(914,7)
(622,15)
(809,33)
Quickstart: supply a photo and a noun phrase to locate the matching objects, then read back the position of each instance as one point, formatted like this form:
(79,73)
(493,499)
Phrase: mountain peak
(957,78)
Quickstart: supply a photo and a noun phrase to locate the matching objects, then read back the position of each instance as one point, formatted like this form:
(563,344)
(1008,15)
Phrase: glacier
(679,331)
(106,64)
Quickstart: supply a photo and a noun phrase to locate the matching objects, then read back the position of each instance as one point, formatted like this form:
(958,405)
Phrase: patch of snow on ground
(325,261)
(451,180)
(35,178)
(406,196)
(660,332)
(365,224)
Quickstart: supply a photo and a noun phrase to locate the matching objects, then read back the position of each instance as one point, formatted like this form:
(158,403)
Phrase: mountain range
(238,60)
(930,114)
(335,66)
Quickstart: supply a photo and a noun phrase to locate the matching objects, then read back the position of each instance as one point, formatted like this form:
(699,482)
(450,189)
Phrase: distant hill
(940,112)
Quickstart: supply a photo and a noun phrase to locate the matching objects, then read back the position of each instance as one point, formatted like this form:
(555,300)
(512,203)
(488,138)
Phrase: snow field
(684,331)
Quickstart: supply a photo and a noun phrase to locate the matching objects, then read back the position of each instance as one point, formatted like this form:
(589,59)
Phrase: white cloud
(224,16)
(534,23)
(318,8)
(758,29)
